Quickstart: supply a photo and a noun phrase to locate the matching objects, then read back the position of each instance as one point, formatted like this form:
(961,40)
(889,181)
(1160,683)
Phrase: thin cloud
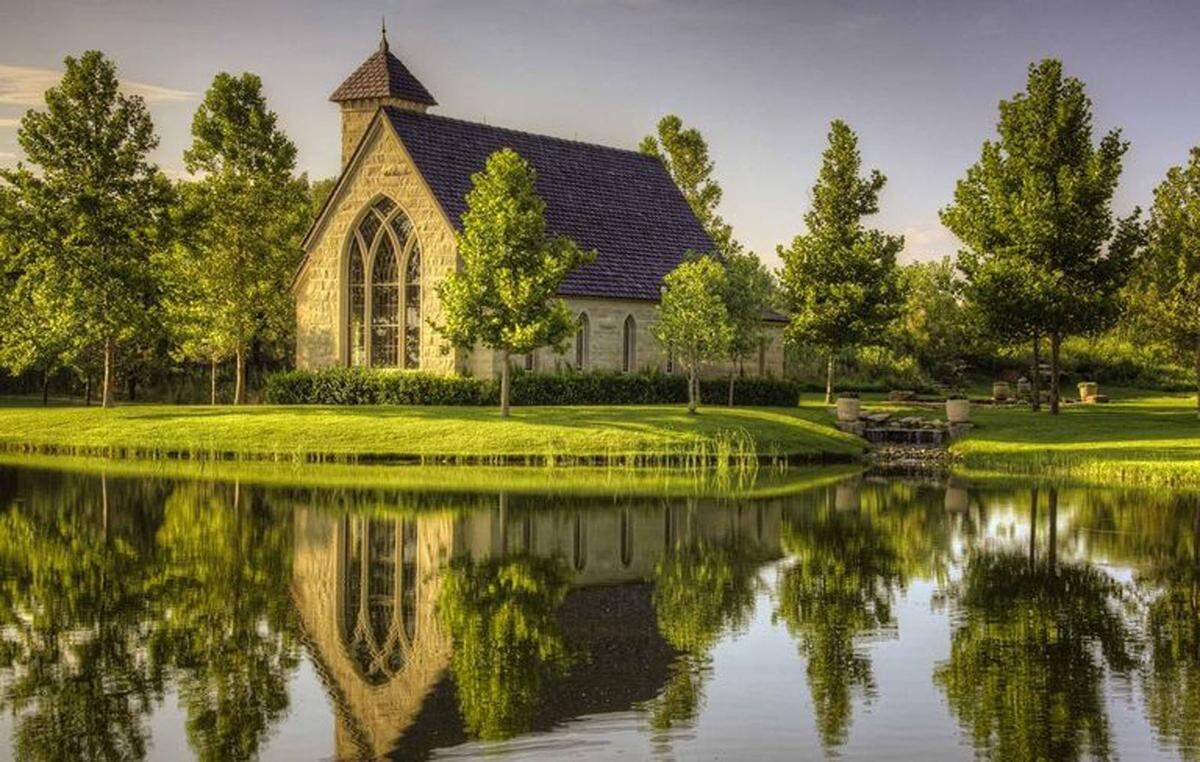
(25,86)
(8,122)
(7,158)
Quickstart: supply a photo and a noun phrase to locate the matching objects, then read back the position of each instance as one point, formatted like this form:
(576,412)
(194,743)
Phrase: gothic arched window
(629,346)
(378,594)
(384,282)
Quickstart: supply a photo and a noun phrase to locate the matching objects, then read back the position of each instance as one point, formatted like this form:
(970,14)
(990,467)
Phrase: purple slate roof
(382,76)
(621,203)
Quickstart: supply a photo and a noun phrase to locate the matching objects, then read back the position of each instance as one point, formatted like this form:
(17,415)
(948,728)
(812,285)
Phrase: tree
(1167,285)
(96,205)
(503,295)
(251,213)
(33,333)
(693,322)
(838,279)
(1037,204)
(747,296)
(684,153)
(938,328)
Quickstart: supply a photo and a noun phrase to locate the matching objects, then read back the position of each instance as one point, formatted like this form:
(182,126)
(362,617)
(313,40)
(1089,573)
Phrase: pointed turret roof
(383,76)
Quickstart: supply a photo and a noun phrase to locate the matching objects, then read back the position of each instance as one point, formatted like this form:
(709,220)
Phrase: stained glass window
(378,297)
(385,306)
(356,339)
(412,309)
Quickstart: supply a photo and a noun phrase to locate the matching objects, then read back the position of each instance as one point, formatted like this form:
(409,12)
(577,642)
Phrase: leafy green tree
(34,334)
(693,321)
(684,153)
(748,290)
(839,279)
(250,213)
(503,296)
(937,327)
(501,616)
(1034,214)
(1167,286)
(96,207)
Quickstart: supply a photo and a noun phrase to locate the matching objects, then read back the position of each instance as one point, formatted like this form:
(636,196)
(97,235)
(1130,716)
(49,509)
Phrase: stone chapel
(365,291)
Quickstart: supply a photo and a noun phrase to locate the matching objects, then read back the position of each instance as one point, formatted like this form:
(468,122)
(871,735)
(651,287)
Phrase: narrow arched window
(412,309)
(583,338)
(629,345)
(626,539)
(356,339)
(762,357)
(383,327)
(579,545)
(385,305)
(530,361)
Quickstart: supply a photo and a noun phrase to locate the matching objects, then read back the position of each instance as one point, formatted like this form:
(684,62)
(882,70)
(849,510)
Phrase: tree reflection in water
(110,586)
(704,589)
(507,641)
(75,567)
(835,593)
(1031,637)
(227,628)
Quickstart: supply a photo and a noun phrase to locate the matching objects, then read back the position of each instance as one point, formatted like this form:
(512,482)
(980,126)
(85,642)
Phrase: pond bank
(1148,439)
(630,436)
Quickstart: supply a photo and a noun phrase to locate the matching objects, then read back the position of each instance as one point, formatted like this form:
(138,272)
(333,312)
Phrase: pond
(860,618)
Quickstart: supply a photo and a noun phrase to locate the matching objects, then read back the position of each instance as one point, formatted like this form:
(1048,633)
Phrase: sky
(918,81)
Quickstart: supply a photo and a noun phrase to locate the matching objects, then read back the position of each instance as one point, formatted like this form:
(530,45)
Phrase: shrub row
(359,386)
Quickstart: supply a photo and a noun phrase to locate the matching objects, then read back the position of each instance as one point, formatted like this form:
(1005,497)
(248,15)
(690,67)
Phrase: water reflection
(433,621)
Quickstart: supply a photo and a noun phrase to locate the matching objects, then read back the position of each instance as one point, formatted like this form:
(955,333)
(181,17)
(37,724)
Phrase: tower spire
(383,45)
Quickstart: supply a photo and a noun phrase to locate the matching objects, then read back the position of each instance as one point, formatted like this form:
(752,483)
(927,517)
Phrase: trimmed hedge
(361,386)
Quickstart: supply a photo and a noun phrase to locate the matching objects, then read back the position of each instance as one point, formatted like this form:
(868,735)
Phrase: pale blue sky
(918,81)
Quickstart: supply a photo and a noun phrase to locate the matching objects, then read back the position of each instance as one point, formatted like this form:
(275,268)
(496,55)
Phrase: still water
(864,619)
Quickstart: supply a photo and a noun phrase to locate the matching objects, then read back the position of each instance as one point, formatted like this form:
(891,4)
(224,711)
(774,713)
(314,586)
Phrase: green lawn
(1151,439)
(611,434)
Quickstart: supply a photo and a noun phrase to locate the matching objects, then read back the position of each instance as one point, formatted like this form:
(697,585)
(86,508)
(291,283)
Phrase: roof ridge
(392,110)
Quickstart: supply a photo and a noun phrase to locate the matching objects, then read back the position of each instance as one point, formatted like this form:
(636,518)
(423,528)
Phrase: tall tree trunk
(829,380)
(106,388)
(731,378)
(132,387)
(87,391)
(45,387)
(692,390)
(239,384)
(1035,400)
(1055,345)
(212,381)
(504,378)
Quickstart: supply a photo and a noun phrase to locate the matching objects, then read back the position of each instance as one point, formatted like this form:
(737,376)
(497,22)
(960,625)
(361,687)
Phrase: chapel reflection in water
(371,596)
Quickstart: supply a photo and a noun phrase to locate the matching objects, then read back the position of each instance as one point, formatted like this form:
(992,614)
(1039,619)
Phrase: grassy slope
(612,433)
(1147,438)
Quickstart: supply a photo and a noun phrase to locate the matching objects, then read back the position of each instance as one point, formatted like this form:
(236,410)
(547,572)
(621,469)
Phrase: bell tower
(381,80)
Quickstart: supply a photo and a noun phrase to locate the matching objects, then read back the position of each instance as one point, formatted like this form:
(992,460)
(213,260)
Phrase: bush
(361,386)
